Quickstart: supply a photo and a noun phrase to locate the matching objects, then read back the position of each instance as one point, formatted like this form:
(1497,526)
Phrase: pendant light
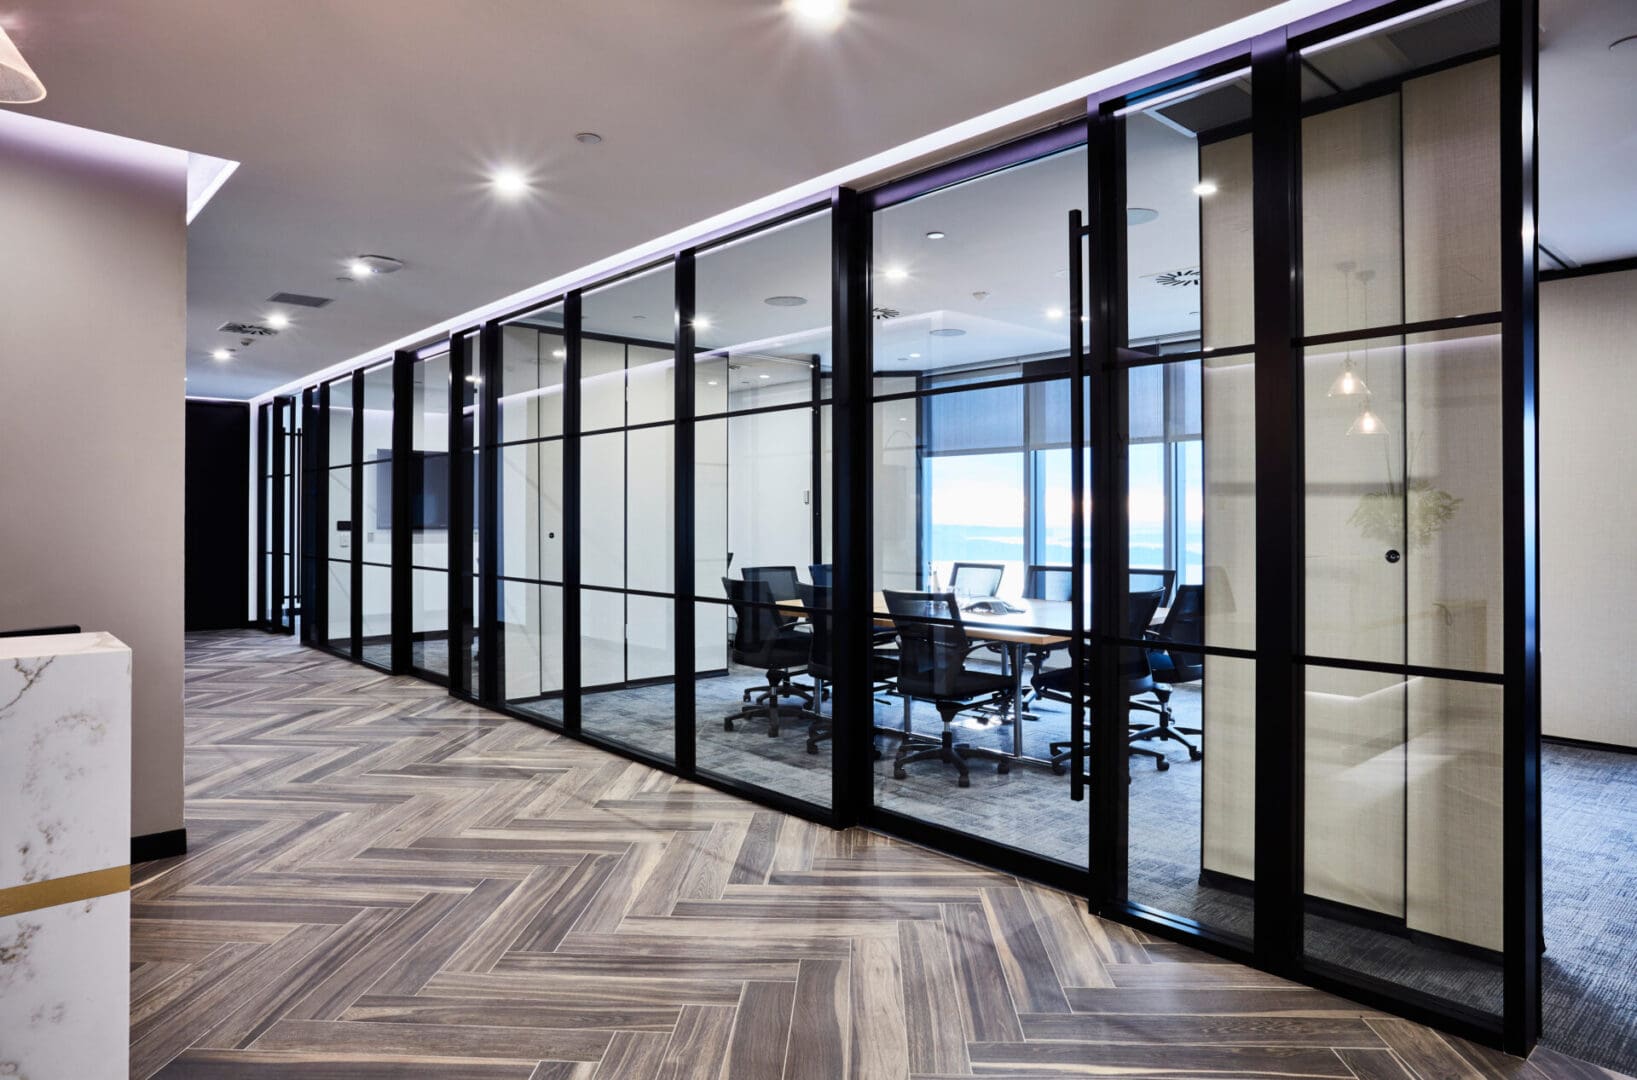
(1348,383)
(18,83)
(1367,422)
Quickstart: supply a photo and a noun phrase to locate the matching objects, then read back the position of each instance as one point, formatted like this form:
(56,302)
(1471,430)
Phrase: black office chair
(1147,579)
(932,667)
(1046,583)
(1135,677)
(820,573)
(976,578)
(764,639)
(782,579)
(820,663)
(1184,624)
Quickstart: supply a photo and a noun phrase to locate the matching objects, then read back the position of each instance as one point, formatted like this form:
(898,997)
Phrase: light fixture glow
(1348,383)
(278,320)
(896,273)
(18,83)
(936,234)
(914,356)
(559,353)
(1054,313)
(509,182)
(1367,423)
(701,322)
(221,354)
(711,382)
(358,268)
(818,14)
(1205,188)
(764,375)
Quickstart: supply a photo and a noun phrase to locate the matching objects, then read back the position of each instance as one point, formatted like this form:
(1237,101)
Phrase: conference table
(1041,623)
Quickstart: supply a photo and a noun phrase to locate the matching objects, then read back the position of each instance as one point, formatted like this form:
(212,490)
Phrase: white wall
(93,295)
(1588,514)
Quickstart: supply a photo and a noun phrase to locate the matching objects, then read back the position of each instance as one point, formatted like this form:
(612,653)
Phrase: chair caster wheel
(963,781)
(1058,770)
(812,748)
(1161,765)
(727,725)
(1003,768)
(1195,755)
(900,774)
(876,751)
(773,732)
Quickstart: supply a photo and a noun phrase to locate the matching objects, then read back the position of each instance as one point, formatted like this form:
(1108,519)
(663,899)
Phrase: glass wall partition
(533,364)
(1405,615)
(627,512)
(973,508)
(762,608)
(314,474)
(373,529)
(1182,396)
(266,533)
(429,516)
(340,398)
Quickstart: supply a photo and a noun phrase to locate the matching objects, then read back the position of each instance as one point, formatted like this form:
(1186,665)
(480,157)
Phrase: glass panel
(430,429)
(533,361)
(602,510)
(1401,172)
(974,277)
(1192,845)
(338,527)
(378,413)
(1410,772)
(429,648)
(762,317)
(376,528)
(650,518)
(629,642)
(377,638)
(532,647)
(628,378)
(338,634)
(1189,246)
(531,510)
(341,422)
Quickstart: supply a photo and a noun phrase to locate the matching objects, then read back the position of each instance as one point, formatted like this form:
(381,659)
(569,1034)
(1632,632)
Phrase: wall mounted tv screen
(429,479)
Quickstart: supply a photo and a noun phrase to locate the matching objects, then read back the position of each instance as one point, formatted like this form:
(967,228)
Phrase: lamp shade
(18,83)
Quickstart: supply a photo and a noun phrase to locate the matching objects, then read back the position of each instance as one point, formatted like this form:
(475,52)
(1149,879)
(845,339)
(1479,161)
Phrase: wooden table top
(1019,628)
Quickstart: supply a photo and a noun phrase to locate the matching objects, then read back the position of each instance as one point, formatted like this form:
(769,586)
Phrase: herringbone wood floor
(386,882)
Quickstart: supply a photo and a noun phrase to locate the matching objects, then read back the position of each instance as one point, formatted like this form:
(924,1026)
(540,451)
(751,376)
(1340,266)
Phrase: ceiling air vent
(246,329)
(883,313)
(299,299)
(1178,278)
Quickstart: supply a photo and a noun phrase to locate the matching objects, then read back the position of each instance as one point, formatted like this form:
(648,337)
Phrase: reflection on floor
(384,881)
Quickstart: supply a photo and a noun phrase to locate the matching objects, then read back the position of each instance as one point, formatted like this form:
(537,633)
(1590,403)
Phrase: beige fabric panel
(1453,872)
(1227,246)
(1588,578)
(1354,811)
(1452,196)
(1352,239)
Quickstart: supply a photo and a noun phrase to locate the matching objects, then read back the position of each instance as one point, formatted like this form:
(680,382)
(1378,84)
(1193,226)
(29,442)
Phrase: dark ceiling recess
(299,299)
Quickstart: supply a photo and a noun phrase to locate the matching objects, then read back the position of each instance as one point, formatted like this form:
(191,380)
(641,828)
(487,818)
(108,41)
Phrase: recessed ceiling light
(474,379)
(948,331)
(559,353)
(509,182)
(914,356)
(589,138)
(710,382)
(1054,313)
(818,14)
(278,320)
(903,419)
(358,268)
(701,322)
(221,354)
(1142,215)
(896,273)
(1204,188)
(764,375)
(935,234)
(785,301)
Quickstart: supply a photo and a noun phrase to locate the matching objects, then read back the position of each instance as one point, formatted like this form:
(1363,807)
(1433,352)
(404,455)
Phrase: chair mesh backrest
(756,620)
(820,573)
(1139,612)
(976,578)
(931,655)
(1146,579)
(1050,583)
(1185,625)
(781,579)
(816,599)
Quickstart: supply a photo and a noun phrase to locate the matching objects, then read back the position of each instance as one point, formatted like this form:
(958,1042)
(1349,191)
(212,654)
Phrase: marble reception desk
(65,844)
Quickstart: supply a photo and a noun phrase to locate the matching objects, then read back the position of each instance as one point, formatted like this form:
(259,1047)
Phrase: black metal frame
(1097,365)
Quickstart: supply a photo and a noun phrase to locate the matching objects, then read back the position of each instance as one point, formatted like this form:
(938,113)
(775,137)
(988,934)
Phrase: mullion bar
(489,628)
(682,581)
(1077,500)
(1279,749)
(403,486)
(1426,326)
(356,525)
(572,660)
(263,468)
(1520,759)
(322,523)
(852,489)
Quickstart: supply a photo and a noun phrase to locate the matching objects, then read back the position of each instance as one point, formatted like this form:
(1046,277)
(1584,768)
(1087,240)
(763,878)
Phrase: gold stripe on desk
(64,890)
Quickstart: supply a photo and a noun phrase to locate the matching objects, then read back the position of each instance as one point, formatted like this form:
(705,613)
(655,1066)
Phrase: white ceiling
(368,126)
